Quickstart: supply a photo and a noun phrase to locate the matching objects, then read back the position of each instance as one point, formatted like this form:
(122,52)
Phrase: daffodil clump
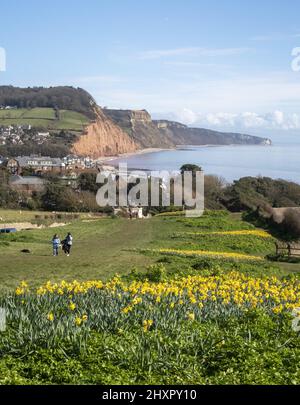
(208,253)
(244,232)
(70,310)
(231,288)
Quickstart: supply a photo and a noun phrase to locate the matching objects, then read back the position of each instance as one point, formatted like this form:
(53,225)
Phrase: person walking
(140,212)
(68,242)
(55,244)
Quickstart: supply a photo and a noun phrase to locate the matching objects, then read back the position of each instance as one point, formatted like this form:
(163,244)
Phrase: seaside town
(20,134)
(28,173)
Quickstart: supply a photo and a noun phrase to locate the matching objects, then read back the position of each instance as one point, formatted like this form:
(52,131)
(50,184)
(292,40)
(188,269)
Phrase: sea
(280,160)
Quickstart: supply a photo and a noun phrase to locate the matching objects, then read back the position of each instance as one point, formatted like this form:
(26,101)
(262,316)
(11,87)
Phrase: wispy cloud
(276,120)
(232,95)
(191,51)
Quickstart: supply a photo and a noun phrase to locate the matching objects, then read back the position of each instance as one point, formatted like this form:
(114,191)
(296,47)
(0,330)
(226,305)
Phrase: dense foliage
(251,192)
(61,97)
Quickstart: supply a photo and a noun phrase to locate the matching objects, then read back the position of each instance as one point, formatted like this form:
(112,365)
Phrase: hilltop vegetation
(251,192)
(61,97)
(45,118)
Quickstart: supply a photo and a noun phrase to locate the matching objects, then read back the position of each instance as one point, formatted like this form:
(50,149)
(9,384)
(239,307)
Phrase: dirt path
(28,225)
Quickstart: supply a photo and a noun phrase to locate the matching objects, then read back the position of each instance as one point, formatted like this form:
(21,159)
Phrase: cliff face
(184,135)
(103,138)
(140,127)
(149,133)
(121,131)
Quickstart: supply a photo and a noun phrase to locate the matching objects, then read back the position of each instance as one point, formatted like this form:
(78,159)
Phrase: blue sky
(220,64)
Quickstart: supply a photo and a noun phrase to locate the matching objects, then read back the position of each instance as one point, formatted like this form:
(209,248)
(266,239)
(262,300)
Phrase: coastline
(106,159)
(228,161)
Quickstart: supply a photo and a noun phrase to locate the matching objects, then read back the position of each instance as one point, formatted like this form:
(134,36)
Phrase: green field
(44,118)
(97,252)
(18,216)
(178,314)
(103,247)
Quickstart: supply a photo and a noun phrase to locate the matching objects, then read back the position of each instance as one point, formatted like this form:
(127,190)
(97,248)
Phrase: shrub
(291,224)
(203,264)
(156,272)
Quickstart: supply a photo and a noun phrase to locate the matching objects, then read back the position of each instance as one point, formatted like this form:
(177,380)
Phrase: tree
(53,196)
(190,168)
(8,197)
(214,188)
(87,182)
(290,226)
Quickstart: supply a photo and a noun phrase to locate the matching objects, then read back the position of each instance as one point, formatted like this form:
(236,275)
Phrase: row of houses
(43,164)
(67,169)
(27,173)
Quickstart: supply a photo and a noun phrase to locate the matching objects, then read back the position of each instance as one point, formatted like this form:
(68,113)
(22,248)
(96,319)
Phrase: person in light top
(55,244)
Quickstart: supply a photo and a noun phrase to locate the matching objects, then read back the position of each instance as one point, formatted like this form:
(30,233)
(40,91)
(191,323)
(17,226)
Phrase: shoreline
(227,165)
(138,152)
(105,159)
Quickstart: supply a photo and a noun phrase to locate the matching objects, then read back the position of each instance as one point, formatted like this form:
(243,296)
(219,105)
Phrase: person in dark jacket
(67,244)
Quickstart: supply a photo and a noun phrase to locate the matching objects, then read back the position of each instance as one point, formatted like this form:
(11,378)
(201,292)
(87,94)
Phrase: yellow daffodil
(72,306)
(50,317)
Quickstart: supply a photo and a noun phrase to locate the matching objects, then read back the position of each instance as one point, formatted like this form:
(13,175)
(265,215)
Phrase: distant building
(26,184)
(38,163)
(70,178)
(78,162)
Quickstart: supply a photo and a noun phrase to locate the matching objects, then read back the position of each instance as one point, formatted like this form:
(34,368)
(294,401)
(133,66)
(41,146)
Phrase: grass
(171,329)
(103,247)
(44,118)
(18,216)
(97,252)
(11,216)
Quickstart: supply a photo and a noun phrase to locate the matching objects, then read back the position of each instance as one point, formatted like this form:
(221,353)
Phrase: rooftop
(26,180)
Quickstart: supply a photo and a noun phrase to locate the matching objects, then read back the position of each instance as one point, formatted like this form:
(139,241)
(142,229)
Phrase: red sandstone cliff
(103,138)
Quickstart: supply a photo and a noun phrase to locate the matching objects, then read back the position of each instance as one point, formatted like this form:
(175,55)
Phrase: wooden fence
(288,249)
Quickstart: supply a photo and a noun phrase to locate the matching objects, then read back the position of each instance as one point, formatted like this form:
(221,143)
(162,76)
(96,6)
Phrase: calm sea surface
(281,160)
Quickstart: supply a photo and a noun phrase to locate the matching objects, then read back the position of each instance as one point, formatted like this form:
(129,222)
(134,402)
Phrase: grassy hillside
(196,303)
(100,249)
(60,97)
(45,118)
